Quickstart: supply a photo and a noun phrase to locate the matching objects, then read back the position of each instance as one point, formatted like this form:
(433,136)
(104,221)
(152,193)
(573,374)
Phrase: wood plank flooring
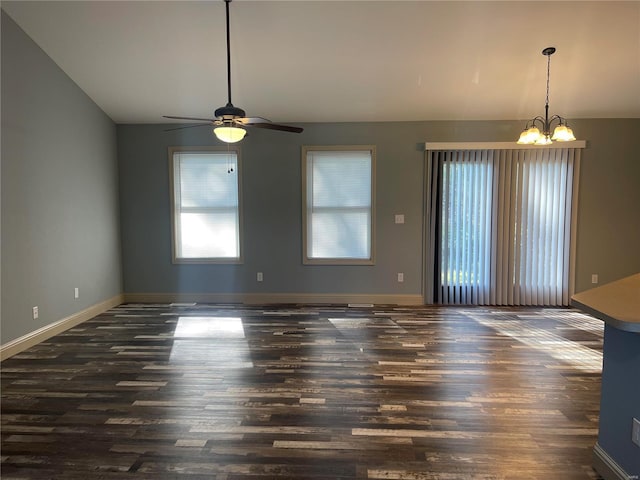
(231,392)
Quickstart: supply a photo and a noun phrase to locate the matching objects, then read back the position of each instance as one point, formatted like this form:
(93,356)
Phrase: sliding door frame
(430,203)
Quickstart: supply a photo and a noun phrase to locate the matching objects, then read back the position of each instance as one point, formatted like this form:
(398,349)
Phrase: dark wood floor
(307,392)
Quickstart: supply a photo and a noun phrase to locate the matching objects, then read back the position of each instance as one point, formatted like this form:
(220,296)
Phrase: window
(206,205)
(502,225)
(338,196)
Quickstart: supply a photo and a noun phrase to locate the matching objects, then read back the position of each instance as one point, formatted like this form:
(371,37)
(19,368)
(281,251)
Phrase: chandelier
(538,130)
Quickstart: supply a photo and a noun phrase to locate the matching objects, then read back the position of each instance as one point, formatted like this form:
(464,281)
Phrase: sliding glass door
(501,225)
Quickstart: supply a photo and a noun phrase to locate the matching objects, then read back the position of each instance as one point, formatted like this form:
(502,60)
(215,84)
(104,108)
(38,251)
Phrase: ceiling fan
(230,120)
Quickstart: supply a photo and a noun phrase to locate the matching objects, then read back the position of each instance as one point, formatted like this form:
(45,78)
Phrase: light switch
(399,218)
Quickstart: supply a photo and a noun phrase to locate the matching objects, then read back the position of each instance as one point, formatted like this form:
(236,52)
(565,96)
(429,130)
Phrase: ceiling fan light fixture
(229,134)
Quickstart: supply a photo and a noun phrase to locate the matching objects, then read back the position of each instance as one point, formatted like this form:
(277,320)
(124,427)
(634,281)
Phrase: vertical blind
(502,225)
(465,247)
(338,204)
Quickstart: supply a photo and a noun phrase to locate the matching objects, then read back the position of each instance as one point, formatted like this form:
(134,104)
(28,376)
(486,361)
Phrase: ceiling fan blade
(276,126)
(188,126)
(190,118)
(252,120)
(260,122)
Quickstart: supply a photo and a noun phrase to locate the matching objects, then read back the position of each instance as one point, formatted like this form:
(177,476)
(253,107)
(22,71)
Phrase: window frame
(305,217)
(172,200)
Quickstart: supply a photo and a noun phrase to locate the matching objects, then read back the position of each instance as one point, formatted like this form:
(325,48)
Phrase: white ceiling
(322,61)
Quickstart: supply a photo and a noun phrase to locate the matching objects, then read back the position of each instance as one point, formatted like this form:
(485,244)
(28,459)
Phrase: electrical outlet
(76,292)
(594,278)
(35,312)
(400,277)
(635,432)
(259,276)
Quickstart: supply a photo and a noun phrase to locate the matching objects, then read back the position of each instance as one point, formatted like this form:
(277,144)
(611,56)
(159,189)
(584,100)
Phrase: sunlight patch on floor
(583,358)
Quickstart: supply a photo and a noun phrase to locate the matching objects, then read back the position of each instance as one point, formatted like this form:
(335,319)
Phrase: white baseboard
(30,339)
(607,466)
(270,298)
(33,338)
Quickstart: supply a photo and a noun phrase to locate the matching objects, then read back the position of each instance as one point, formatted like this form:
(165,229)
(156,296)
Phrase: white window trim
(338,261)
(205,260)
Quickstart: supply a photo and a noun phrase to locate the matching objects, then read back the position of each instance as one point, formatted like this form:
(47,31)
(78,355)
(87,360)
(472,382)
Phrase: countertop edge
(633,327)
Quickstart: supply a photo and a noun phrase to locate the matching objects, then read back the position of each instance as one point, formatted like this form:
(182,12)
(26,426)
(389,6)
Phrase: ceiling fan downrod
(226,4)
(229,110)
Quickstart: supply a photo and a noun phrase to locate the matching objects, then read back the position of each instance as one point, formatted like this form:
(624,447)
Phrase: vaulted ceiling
(321,61)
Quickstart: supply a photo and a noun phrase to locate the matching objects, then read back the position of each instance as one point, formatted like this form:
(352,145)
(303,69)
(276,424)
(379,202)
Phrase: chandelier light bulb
(524,138)
(529,136)
(533,134)
(562,133)
(543,140)
(570,135)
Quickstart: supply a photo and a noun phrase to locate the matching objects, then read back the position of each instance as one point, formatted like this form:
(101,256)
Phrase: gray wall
(60,225)
(620,401)
(608,228)
(272,214)
(609,208)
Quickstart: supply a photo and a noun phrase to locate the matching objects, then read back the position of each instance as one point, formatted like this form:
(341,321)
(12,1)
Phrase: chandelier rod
(548,52)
